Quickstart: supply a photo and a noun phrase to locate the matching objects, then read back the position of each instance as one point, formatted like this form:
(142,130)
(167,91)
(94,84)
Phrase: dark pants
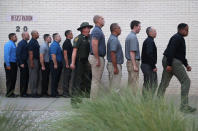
(11,76)
(66,80)
(179,72)
(55,77)
(45,78)
(34,77)
(82,79)
(150,80)
(24,78)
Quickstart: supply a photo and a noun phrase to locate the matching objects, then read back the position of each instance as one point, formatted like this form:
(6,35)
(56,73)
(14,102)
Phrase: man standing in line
(98,52)
(56,65)
(67,53)
(173,61)
(114,56)
(81,48)
(149,61)
(132,54)
(45,65)
(10,64)
(33,51)
(22,57)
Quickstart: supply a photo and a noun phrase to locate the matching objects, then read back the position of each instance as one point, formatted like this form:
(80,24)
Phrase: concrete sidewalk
(35,104)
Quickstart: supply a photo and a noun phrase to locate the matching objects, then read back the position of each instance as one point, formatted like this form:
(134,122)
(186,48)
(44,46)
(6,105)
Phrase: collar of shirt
(98,27)
(151,37)
(180,35)
(34,39)
(55,42)
(10,41)
(24,41)
(114,35)
(84,36)
(133,32)
(68,40)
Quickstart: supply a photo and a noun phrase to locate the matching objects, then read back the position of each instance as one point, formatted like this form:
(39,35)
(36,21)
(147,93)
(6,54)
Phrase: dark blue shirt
(98,34)
(56,50)
(9,52)
(34,47)
(22,52)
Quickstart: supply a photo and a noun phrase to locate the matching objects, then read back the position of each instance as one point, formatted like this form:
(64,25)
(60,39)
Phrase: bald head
(35,34)
(25,36)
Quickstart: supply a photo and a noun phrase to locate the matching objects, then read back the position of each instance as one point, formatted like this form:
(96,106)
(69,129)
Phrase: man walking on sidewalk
(173,61)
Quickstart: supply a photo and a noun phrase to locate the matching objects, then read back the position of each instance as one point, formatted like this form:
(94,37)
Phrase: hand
(67,66)
(55,66)
(32,65)
(98,62)
(135,68)
(22,65)
(8,67)
(43,68)
(116,71)
(188,68)
(155,70)
(72,66)
(169,68)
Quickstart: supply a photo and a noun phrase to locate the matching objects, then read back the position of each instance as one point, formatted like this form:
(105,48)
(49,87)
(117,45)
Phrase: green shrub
(125,112)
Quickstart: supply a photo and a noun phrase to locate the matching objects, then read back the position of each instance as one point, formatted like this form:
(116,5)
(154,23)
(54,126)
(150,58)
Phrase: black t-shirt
(68,47)
(34,47)
(176,49)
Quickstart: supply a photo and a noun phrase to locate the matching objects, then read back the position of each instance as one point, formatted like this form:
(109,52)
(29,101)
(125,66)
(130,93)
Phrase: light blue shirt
(132,44)
(9,52)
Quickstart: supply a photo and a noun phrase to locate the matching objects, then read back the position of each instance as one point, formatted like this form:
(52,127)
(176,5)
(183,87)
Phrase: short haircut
(67,32)
(113,26)
(33,32)
(134,23)
(54,35)
(181,26)
(95,18)
(148,30)
(11,35)
(45,36)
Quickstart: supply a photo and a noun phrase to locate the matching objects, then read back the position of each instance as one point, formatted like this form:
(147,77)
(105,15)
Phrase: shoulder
(7,43)
(77,38)
(96,30)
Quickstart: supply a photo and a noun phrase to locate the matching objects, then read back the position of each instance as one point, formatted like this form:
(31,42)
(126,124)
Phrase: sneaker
(187,109)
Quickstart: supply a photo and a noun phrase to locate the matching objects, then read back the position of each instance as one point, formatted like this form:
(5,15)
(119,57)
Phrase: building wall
(50,16)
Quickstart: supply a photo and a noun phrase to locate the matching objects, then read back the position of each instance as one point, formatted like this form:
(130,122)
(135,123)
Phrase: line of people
(86,58)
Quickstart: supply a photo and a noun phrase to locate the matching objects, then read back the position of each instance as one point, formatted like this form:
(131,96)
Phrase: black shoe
(35,96)
(66,95)
(187,109)
(12,96)
(24,95)
(45,95)
(55,96)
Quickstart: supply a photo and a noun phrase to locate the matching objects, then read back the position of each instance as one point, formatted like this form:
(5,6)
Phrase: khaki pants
(96,75)
(114,79)
(133,77)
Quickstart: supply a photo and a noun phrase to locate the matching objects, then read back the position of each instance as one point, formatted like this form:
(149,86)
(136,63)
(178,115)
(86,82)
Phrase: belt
(135,59)
(99,55)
